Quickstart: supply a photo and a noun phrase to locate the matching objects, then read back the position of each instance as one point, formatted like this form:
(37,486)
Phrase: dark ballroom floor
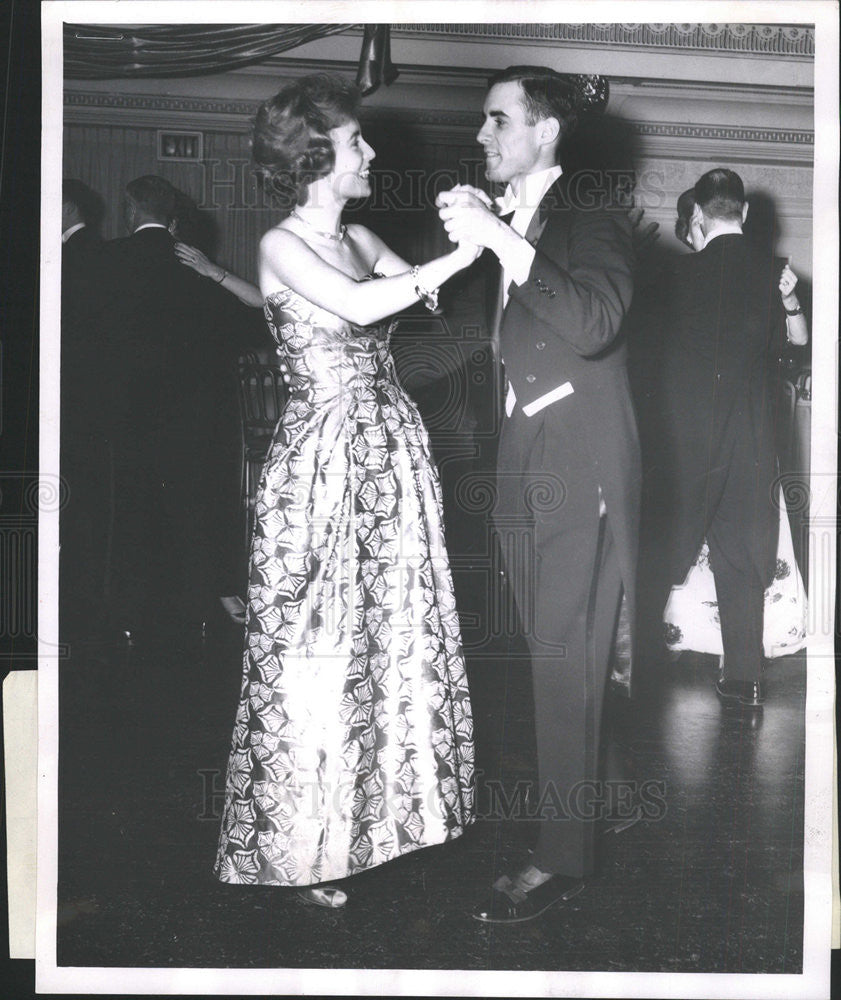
(714,884)
(710,882)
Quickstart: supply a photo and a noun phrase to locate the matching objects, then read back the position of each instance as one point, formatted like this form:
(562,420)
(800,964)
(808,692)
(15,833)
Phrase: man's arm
(585,302)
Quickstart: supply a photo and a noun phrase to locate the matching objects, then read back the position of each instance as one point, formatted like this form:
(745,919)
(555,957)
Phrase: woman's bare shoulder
(279,235)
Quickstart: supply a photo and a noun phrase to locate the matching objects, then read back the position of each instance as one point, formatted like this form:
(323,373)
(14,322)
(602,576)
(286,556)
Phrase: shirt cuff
(518,261)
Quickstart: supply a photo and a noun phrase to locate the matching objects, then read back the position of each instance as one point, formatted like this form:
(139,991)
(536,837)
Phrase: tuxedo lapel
(538,223)
(551,200)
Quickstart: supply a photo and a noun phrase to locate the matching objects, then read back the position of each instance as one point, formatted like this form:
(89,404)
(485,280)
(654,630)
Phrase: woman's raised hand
(788,279)
(194,258)
(483,196)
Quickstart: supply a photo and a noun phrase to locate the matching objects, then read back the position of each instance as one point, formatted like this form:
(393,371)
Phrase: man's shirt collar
(722,228)
(532,189)
(65,236)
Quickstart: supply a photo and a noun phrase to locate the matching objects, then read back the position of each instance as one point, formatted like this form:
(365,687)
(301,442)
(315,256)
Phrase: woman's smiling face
(350,175)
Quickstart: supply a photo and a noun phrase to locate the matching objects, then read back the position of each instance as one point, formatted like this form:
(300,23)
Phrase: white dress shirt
(524,203)
(517,264)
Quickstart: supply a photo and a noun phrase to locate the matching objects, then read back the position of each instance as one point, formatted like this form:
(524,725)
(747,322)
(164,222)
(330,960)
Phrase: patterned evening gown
(691,619)
(353,743)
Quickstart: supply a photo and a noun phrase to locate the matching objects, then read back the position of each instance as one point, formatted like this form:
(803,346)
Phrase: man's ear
(745,211)
(548,132)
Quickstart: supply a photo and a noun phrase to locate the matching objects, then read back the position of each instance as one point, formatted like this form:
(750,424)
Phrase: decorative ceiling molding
(727,132)
(154,111)
(790,40)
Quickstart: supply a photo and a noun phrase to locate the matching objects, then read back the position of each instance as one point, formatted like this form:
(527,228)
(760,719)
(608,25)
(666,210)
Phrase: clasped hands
(468,216)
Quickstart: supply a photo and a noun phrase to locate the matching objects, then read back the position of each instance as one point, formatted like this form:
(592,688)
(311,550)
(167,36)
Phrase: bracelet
(429,299)
(220,280)
(793,312)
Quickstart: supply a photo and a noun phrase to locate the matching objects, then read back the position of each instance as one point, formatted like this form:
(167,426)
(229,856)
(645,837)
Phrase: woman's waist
(325,387)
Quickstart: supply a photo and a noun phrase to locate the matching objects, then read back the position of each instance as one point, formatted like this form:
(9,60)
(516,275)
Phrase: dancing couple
(353,739)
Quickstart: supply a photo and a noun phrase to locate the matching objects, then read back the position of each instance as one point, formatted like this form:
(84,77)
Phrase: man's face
(69,215)
(512,147)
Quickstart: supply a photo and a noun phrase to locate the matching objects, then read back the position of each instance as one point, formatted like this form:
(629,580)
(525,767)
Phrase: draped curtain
(103,52)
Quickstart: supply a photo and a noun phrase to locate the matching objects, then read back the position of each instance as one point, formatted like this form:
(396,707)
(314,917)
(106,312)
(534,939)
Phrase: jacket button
(540,345)
(530,378)
(551,293)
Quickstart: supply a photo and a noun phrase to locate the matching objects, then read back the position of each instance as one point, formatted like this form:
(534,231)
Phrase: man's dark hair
(546,94)
(154,196)
(685,208)
(721,194)
(86,200)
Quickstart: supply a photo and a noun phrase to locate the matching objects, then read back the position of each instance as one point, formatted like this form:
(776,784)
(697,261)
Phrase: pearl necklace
(335,237)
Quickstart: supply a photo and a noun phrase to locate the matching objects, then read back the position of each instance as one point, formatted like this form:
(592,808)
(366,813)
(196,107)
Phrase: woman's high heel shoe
(328,896)
(235,608)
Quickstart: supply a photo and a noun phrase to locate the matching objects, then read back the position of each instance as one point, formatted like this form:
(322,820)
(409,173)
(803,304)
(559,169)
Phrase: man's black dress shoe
(513,902)
(748,694)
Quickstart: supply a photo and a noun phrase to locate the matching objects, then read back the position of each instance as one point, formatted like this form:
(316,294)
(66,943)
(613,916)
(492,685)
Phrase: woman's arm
(797,330)
(385,261)
(286,261)
(242,289)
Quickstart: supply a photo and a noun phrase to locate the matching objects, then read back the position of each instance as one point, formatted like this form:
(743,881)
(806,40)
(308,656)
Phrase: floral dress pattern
(352,743)
(691,618)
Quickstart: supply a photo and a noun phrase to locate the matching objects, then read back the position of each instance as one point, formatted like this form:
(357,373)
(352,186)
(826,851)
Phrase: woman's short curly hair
(685,208)
(291,146)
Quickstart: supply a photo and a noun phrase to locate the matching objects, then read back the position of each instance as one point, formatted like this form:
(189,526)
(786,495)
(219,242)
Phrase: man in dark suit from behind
(170,337)
(723,319)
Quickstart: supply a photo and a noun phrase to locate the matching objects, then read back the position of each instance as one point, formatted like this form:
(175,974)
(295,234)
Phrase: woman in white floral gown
(352,744)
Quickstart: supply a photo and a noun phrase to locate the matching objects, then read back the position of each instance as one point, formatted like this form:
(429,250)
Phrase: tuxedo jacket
(169,341)
(564,325)
(724,322)
(78,251)
(80,288)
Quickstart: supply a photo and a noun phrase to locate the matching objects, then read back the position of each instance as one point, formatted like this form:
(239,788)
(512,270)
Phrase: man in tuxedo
(80,213)
(85,449)
(724,318)
(568,477)
(170,339)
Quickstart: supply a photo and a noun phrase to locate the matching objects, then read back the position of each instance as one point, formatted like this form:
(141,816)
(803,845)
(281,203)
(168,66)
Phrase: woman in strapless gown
(352,743)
